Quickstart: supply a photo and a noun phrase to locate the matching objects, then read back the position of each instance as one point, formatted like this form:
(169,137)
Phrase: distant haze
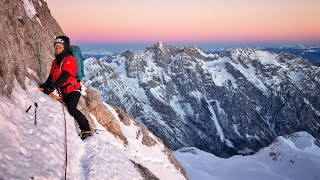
(121,47)
(145,21)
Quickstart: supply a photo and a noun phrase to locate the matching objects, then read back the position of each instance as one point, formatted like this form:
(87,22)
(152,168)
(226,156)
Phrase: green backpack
(77,54)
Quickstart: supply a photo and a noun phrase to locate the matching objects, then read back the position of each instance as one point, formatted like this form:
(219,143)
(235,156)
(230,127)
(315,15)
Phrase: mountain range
(234,102)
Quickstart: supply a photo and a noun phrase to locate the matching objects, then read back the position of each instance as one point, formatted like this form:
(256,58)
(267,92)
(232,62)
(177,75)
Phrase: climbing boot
(84,134)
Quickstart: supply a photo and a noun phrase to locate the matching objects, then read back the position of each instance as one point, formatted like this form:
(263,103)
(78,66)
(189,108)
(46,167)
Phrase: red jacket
(68,64)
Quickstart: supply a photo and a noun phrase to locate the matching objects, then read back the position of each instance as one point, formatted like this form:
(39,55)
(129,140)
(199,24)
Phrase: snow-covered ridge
(33,144)
(292,157)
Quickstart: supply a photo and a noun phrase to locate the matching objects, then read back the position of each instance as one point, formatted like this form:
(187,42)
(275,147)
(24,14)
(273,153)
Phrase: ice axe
(54,96)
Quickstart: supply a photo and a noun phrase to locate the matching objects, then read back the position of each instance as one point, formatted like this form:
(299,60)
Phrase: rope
(65,143)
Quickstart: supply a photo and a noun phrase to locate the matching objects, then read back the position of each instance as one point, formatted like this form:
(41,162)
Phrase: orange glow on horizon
(178,20)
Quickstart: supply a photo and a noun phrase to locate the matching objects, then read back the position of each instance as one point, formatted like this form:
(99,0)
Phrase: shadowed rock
(103,115)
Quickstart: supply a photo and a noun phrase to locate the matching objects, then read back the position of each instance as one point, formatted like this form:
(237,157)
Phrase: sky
(127,21)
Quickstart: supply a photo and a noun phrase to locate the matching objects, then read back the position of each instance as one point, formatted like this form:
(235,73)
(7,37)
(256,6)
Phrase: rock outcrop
(104,116)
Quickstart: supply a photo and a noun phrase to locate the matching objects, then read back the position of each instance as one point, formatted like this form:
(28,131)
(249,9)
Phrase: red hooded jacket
(68,64)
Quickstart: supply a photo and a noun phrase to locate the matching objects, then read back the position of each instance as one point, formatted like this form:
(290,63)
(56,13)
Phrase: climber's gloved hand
(48,90)
(48,83)
(44,85)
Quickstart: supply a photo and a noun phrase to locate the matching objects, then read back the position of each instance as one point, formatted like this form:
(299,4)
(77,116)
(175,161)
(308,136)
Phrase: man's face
(58,48)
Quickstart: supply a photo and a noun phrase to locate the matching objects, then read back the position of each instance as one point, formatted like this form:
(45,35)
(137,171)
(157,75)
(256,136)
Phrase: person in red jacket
(63,78)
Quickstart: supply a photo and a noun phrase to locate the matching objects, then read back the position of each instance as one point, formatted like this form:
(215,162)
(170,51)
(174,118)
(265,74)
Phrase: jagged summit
(194,51)
(159,46)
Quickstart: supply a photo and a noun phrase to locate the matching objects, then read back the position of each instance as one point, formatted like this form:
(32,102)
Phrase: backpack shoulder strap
(53,66)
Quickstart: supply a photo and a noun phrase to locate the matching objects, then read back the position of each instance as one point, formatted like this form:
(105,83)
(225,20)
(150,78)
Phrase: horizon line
(122,46)
(198,42)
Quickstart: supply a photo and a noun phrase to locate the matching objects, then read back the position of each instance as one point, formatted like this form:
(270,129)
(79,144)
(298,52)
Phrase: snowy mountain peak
(162,48)
(194,51)
(160,44)
(157,46)
(128,54)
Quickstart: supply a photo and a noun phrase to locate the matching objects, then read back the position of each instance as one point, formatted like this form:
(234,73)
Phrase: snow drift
(291,157)
(30,151)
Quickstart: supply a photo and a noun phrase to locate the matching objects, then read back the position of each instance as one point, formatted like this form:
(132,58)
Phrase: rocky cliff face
(27,30)
(230,103)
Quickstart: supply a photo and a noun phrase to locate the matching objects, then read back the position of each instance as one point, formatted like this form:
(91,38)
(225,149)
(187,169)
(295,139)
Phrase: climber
(63,78)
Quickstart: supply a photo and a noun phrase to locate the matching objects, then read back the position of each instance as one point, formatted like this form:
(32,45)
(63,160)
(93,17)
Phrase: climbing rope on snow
(60,98)
(65,142)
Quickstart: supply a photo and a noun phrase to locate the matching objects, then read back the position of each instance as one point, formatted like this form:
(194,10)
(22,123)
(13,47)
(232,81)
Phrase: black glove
(48,90)
(44,85)
(47,84)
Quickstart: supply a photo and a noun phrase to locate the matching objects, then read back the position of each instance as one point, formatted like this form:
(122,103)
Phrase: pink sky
(187,20)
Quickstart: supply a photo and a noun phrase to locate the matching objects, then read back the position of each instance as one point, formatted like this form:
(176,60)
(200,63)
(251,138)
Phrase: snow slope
(293,157)
(29,151)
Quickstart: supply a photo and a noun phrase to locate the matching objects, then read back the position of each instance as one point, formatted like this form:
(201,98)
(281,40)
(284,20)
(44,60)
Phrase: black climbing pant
(71,101)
